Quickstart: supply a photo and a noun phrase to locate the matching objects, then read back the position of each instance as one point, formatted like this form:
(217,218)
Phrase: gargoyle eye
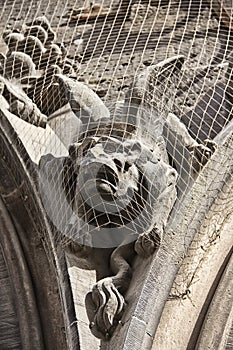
(136,147)
(110,147)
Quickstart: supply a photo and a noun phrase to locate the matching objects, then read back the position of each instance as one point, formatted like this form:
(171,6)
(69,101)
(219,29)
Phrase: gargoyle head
(116,185)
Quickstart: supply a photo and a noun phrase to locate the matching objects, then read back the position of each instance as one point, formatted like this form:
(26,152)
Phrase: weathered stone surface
(81,283)
(112,75)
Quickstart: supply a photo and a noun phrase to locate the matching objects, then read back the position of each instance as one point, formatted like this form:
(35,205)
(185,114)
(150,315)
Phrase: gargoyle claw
(211,145)
(148,243)
(104,308)
(201,153)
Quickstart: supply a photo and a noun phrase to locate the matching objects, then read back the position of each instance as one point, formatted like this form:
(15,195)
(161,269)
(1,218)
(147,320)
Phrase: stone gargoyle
(117,184)
(111,197)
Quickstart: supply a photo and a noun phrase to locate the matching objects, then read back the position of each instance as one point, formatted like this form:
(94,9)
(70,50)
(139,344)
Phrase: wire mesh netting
(128,98)
(106,47)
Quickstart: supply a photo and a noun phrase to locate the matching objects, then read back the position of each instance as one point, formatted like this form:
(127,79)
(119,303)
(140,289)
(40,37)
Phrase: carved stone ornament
(119,188)
(27,72)
(116,189)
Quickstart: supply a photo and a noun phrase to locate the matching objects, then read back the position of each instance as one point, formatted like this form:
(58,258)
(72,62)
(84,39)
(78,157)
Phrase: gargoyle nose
(122,189)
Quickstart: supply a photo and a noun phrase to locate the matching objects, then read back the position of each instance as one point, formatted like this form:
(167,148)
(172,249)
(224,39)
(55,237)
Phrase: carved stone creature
(118,183)
(117,186)
(121,194)
(27,72)
(11,89)
(20,104)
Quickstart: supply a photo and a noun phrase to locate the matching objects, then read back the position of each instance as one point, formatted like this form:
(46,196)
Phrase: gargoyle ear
(168,67)
(77,150)
(175,62)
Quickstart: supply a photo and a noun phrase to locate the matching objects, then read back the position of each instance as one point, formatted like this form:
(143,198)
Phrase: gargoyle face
(107,168)
(117,183)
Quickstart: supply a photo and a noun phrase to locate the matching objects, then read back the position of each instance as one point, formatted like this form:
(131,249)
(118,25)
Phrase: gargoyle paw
(211,145)
(104,306)
(148,243)
(201,153)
